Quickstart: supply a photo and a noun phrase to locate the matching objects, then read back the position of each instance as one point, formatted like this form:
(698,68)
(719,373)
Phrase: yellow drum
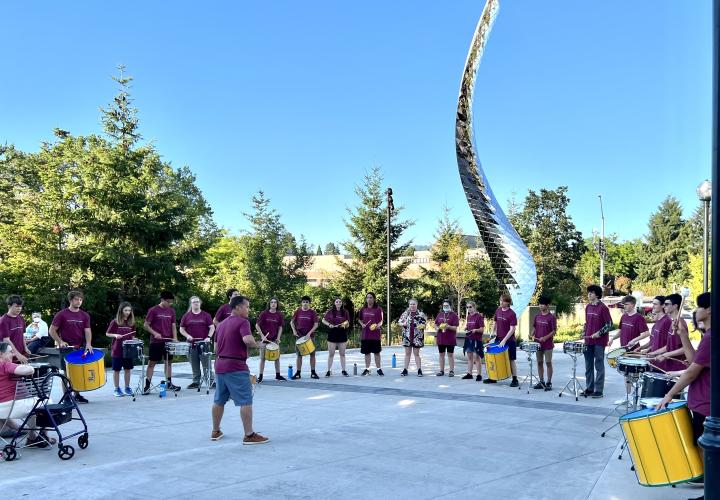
(86,371)
(305,346)
(272,351)
(613,355)
(497,362)
(661,445)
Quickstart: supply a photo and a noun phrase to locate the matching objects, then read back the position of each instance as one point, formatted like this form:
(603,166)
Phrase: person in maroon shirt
(12,328)
(632,325)
(370,318)
(304,323)
(597,326)
(224,310)
(233,338)
(447,323)
(656,338)
(160,324)
(71,327)
(121,328)
(413,324)
(337,320)
(474,326)
(505,325)
(195,325)
(675,353)
(270,326)
(544,328)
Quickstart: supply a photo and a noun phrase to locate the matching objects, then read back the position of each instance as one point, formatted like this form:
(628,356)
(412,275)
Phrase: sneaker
(539,385)
(327,374)
(451,374)
(439,374)
(314,375)
(345,374)
(296,376)
(215,435)
(129,392)
(514,382)
(365,373)
(478,378)
(380,372)
(81,399)
(489,381)
(548,386)
(255,438)
(37,442)
(259,379)
(194,385)
(420,373)
(173,387)
(467,376)
(118,393)
(597,395)
(587,392)
(279,377)
(404,373)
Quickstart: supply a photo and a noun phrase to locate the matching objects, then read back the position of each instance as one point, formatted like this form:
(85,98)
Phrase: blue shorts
(476,346)
(122,364)
(235,385)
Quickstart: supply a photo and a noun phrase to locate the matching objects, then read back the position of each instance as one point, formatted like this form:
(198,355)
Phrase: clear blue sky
(300,98)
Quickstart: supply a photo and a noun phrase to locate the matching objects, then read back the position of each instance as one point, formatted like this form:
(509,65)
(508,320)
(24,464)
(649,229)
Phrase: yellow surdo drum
(661,445)
(613,355)
(497,362)
(305,346)
(272,352)
(86,370)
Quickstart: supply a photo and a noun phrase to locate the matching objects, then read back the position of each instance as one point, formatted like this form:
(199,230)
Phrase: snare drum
(613,355)
(631,366)
(305,346)
(177,348)
(202,346)
(497,362)
(272,351)
(573,347)
(530,347)
(132,349)
(661,445)
(651,403)
(656,385)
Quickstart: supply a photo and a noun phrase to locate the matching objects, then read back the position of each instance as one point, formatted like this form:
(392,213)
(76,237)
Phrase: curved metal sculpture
(509,257)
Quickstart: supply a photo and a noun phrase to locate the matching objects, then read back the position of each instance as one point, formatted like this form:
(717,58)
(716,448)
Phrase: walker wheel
(602,435)
(83,441)
(560,395)
(10,453)
(66,452)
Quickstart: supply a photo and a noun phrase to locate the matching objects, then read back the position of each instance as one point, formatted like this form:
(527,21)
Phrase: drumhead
(649,412)
(632,361)
(496,349)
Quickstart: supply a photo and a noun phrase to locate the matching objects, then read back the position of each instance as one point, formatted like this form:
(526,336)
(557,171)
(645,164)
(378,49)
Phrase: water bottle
(163,389)
(290,373)
(394,361)
(355,369)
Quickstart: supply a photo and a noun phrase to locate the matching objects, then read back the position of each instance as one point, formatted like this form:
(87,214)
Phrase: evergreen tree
(319,250)
(331,249)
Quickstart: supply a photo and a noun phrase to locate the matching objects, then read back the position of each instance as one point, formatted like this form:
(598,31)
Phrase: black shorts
(122,364)
(370,346)
(449,348)
(512,349)
(158,352)
(698,425)
(338,335)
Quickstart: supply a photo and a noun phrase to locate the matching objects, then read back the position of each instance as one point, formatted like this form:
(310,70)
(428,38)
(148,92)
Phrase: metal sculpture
(509,257)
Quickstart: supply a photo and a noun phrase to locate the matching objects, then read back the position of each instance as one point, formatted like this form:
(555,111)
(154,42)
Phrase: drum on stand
(656,385)
(203,346)
(632,366)
(573,347)
(530,347)
(132,349)
(178,348)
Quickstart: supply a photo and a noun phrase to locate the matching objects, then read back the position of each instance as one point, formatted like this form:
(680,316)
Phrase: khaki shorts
(544,354)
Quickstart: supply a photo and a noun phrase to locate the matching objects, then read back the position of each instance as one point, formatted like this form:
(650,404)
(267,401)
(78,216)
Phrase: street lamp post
(602,246)
(704,191)
(390,208)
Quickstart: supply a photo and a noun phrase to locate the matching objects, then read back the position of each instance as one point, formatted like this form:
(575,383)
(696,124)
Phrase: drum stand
(140,388)
(573,387)
(630,404)
(207,377)
(531,376)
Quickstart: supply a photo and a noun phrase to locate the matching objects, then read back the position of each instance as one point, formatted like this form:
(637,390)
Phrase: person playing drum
(224,310)
(632,326)
(337,319)
(121,328)
(12,328)
(304,323)
(160,322)
(674,354)
(658,333)
(197,325)
(505,324)
(598,323)
(544,329)
(413,323)
(71,327)
(370,318)
(270,326)
(474,349)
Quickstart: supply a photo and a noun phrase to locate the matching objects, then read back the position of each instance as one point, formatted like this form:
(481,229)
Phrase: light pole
(390,208)
(601,246)
(704,192)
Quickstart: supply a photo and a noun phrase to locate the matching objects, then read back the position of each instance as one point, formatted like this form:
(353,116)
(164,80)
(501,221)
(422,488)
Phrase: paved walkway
(346,438)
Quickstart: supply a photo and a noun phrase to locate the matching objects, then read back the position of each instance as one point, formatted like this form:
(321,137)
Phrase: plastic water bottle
(290,373)
(163,389)
(355,369)
(394,361)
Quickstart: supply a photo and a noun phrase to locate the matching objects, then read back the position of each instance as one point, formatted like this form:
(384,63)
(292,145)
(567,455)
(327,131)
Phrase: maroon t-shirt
(304,321)
(197,325)
(270,323)
(337,318)
(161,319)
(71,326)
(117,344)
(231,351)
(699,390)
(503,321)
(659,333)
(446,337)
(475,321)
(673,343)
(596,316)
(544,324)
(631,327)
(14,329)
(8,381)
(223,312)
(371,315)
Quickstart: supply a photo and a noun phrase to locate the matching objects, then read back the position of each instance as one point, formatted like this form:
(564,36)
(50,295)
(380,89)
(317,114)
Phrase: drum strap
(232,357)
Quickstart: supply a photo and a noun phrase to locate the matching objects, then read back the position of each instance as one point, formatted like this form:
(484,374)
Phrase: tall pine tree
(665,258)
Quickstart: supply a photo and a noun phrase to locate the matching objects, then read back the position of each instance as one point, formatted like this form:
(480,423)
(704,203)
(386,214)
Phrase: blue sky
(300,98)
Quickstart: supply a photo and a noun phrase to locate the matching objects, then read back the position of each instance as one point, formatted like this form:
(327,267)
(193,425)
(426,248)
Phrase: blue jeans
(595,379)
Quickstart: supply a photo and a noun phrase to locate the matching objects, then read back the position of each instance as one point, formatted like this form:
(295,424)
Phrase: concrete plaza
(345,438)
